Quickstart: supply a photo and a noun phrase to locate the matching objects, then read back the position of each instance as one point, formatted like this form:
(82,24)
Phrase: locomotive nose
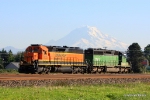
(34,56)
(30,57)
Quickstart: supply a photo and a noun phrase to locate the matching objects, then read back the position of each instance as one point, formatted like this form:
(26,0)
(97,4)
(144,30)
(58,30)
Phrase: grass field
(134,91)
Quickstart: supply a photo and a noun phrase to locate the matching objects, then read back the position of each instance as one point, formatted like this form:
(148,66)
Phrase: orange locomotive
(39,58)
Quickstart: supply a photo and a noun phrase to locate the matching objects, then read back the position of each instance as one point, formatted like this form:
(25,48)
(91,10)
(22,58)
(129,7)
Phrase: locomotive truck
(47,59)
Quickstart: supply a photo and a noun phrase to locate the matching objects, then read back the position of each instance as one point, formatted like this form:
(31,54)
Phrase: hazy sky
(25,22)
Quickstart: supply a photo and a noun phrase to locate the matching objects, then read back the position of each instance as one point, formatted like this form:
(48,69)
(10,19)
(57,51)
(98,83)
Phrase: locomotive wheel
(74,70)
(39,70)
(48,70)
(82,70)
(105,69)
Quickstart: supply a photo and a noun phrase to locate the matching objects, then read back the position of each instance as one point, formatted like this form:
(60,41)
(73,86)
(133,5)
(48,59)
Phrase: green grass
(135,91)
(8,71)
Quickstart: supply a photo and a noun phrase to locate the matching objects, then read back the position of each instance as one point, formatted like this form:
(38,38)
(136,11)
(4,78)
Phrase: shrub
(8,71)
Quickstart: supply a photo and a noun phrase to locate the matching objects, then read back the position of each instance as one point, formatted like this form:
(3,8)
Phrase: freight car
(45,59)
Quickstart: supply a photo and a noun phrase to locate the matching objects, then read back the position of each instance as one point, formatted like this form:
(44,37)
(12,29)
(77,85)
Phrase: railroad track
(68,76)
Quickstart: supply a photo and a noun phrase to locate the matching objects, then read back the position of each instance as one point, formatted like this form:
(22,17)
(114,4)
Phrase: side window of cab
(44,52)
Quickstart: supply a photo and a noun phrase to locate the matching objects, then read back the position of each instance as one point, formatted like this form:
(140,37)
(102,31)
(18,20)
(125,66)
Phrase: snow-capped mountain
(89,37)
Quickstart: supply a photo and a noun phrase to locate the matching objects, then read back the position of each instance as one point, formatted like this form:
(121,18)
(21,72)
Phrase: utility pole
(104,49)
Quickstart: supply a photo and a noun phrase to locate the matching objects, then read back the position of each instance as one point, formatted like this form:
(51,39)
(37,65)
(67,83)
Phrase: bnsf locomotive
(45,59)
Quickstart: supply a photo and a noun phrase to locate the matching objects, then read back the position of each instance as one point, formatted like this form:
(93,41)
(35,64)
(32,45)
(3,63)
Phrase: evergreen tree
(1,61)
(10,57)
(147,52)
(3,58)
(135,56)
(18,56)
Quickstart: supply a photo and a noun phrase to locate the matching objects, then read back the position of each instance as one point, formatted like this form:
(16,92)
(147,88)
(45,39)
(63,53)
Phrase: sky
(25,22)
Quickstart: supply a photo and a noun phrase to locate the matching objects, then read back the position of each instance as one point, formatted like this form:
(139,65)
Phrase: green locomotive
(102,60)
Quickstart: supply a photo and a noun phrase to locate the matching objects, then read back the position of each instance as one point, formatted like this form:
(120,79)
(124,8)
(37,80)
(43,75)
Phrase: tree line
(135,57)
(7,57)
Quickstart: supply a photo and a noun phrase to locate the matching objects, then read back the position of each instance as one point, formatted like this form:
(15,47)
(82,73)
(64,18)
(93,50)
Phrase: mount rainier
(89,37)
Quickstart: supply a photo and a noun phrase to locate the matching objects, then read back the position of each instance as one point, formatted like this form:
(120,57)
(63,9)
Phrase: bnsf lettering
(60,55)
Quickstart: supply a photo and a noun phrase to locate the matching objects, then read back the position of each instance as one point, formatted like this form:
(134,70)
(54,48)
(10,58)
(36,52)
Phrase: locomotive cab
(35,52)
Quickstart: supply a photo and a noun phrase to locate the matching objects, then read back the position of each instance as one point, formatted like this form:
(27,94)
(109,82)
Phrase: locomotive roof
(36,44)
(65,49)
(56,46)
(100,49)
